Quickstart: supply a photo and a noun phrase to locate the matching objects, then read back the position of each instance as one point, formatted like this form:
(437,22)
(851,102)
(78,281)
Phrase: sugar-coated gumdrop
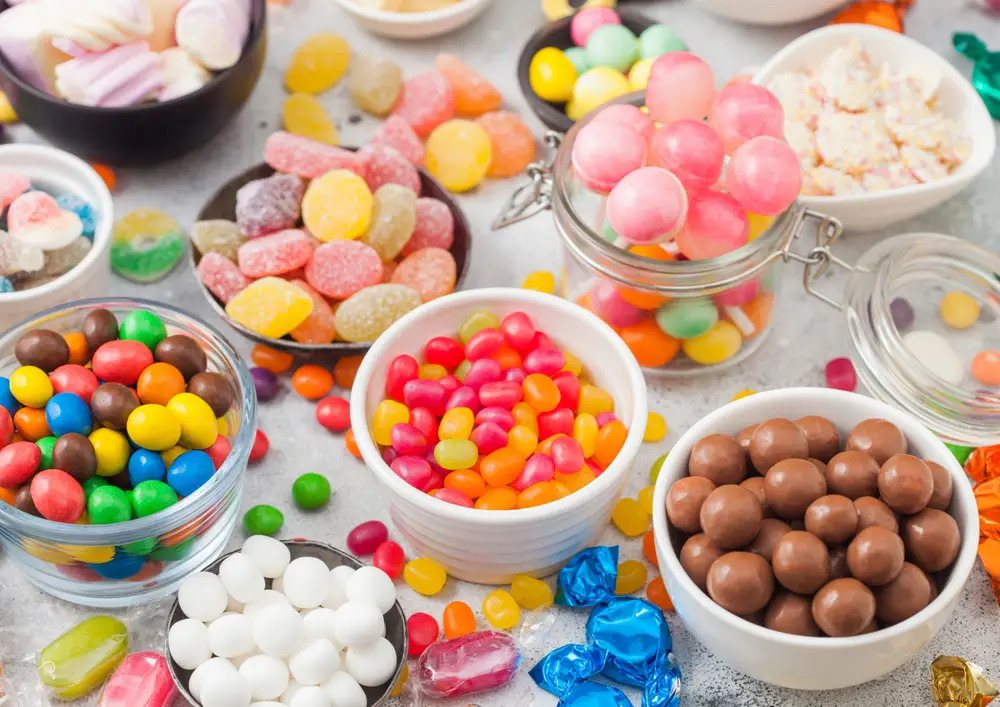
(294,154)
(648,206)
(386,165)
(337,205)
(627,114)
(270,306)
(435,227)
(364,316)
(275,254)
(317,64)
(393,219)
(217,236)
(375,83)
(318,327)
(764,175)
(716,224)
(474,95)
(83,209)
(303,115)
(511,142)
(58,262)
(267,205)
(587,20)
(681,86)
(16,257)
(604,152)
(221,276)
(146,245)
(340,268)
(396,133)
(430,271)
(593,89)
(425,102)
(691,150)
(744,111)
(459,154)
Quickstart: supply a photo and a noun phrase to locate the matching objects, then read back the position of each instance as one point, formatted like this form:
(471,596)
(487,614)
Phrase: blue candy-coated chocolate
(121,566)
(145,465)
(189,472)
(67,413)
(6,399)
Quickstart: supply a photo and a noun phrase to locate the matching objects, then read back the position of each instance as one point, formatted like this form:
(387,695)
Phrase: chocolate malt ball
(932,538)
(875,556)
(843,607)
(684,501)
(801,562)
(852,474)
(791,485)
(833,519)
(776,440)
(822,435)
(718,458)
(741,582)
(879,438)
(731,516)
(905,483)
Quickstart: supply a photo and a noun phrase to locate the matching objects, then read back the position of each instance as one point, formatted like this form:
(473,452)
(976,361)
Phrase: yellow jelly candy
(656,428)
(630,518)
(758,224)
(585,433)
(959,310)
(540,281)
(459,154)
(552,75)
(388,414)
(270,307)
(393,219)
(425,576)
(83,657)
(337,205)
(745,393)
(397,689)
(501,610)
(716,345)
(475,323)
(456,424)
(638,75)
(198,427)
(646,499)
(531,593)
(595,88)
(363,316)
(7,114)
(631,577)
(573,364)
(318,63)
(594,400)
(303,115)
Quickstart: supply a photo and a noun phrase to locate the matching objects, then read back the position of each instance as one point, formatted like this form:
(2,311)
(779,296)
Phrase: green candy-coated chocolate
(961,453)
(151,497)
(263,520)
(144,327)
(311,491)
(578,57)
(46,444)
(108,504)
(658,40)
(139,547)
(686,319)
(654,471)
(172,553)
(94,482)
(614,46)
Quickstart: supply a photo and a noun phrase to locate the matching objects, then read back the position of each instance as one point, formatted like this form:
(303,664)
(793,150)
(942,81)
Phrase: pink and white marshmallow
(35,219)
(124,76)
(214,31)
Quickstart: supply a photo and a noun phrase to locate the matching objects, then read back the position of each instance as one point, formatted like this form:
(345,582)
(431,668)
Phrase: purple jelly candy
(267,205)
(475,662)
(902,313)
(265,383)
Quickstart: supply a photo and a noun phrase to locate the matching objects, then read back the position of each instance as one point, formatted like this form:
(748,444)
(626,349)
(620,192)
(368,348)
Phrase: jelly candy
(475,662)
(431,272)
(459,154)
(375,83)
(386,165)
(540,281)
(345,370)
(35,219)
(267,205)
(17,258)
(474,95)
(511,143)
(337,205)
(650,346)
(339,269)
(271,359)
(221,276)
(958,310)
(630,518)
(718,344)
(58,262)
(392,221)
(83,657)
(425,576)
(86,213)
(312,382)
(552,75)
(217,236)
(12,185)
(840,374)
(318,63)
(141,680)
(307,158)
(501,610)
(425,102)
(531,593)
(318,328)
(435,227)
(303,115)
(275,254)
(558,9)
(594,88)
(271,307)
(656,593)
(459,620)
(631,577)
(365,315)
(396,133)
(146,245)
(422,630)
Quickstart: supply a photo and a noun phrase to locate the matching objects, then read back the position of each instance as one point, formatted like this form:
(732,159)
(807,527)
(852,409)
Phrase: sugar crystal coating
(393,220)
(60,262)
(430,271)
(386,165)
(12,185)
(396,133)
(275,254)
(270,307)
(16,257)
(366,315)
(375,83)
(302,114)
(435,226)
(318,63)
(425,102)
(217,236)
(459,154)
(83,209)
(221,276)
(474,95)
(337,205)
(267,205)
(340,268)
(307,158)
(511,141)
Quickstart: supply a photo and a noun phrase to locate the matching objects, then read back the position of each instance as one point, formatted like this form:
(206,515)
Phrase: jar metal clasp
(818,260)
(533,196)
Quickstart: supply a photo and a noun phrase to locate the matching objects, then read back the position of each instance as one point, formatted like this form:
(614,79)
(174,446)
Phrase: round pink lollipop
(764,175)
(716,224)
(648,206)
(680,86)
(586,21)
(691,150)
(739,295)
(627,115)
(604,152)
(609,305)
(745,111)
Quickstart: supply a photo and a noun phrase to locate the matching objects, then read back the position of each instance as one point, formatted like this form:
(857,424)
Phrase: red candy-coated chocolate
(569,390)
(454,497)
(390,558)
(58,496)
(472,663)
(425,394)
(18,462)
(424,420)
(121,361)
(483,344)
(6,428)
(72,378)
(408,440)
(444,351)
(402,370)
(504,394)
(422,630)
(364,539)
(334,413)
(413,470)
(219,451)
(261,445)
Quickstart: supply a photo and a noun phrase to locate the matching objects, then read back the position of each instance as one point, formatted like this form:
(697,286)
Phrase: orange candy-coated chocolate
(887,15)
(7,496)
(31,423)
(158,383)
(78,352)
(312,382)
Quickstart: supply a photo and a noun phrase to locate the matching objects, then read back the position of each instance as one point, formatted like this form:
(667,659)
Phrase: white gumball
(268,598)
(314,663)
(278,630)
(269,555)
(266,704)
(278,585)
(209,671)
(310,697)
(372,585)
(268,677)
(240,659)
(321,623)
(337,595)
(234,607)
(359,624)
(188,643)
(344,691)
(230,690)
(306,582)
(230,636)
(202,596)
(290,692)
(372,665)
(241,578)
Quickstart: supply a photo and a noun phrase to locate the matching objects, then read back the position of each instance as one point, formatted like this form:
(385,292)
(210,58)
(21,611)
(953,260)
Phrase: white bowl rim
(960,571)
(983,145)
(104,208)
(528,300)
(412,19)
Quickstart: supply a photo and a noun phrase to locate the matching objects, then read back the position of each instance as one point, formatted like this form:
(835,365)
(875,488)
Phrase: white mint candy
(321,623)
(372,665)
(290,692)
(936,354)
(278,630)
(306,582)
(268,677)
(188,643)
(337,595)
(234,607)
(240,659)
(271,556)
(203,597)
(230,690)
(241,578)
(314,663)
(268,598)
(231,636)
(344,691)
(372,585)
(278,585)
(266,704)
(310,697)
(207,672)
(359,624)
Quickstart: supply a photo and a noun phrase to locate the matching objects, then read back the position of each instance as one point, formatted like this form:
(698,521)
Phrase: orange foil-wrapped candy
(955,682)
(887,15)
(984,464)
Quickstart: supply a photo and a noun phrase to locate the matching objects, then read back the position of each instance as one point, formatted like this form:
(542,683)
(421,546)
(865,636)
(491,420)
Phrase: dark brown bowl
(222,205)
(556,34)
(139,136)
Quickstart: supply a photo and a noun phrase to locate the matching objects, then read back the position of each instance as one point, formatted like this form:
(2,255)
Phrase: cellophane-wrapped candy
(475,662)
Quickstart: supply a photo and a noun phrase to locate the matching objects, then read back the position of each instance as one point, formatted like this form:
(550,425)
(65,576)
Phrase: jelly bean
(585,433)
(425,421)
(531,593)
(631,577)
(459,620)
(646,499)
(463,397)
(57,496)
(30,386)
(650,346)
(745,393)
(510,360)
(421,630)
(523,440)
(189,472)
(656,593)
(401,370)
(649,549)
(488,438)
(413,470)
(451,383)
(575,482)
(502,418)
(265,384)
(986,367)
(630,518)
(481,372)
(108,504)
(686,319)
(365,315)
(83,657)
(454,497)
(497,499)
(540,392)
(141,680)
(425,576)
(546,361)
(263,520)
(525,415)
(444,351)
(159,382)
(390,558)
(429,394)
(567,455)
(502,467)
(454,454)
(304,115)
(501,610)
(364,539)
(387,414)
(462,369)
(311,491)
(312,382)
(840,375)
(345,370)
(540,281)
(656,428)
(31,424)
(18,463)
(271,359)
(718,344)
(540,494)
(483,344)
(408,440)
(610,440)
(425,102)
(151,497)
(431,371)
(112,450)
(154,427)
(500,394)
(958,310)
(467,482)
(552,75)
(557,422)
(197,420)
(604,418)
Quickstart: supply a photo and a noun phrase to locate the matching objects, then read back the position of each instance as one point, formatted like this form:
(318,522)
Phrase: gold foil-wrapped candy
(955,682)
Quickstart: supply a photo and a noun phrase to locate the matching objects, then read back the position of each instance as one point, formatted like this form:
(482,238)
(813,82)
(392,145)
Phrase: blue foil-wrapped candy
(628,641)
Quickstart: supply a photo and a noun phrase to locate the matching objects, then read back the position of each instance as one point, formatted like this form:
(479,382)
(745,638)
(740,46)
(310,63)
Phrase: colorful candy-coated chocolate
(764,175)
(681,86)
(691,150)
(718,344)
(83,657)
(605,151)
(647,206)
(141,680)
(959,310)
(263,520)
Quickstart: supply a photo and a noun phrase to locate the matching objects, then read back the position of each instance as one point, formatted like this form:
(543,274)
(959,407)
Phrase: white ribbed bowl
(490,547)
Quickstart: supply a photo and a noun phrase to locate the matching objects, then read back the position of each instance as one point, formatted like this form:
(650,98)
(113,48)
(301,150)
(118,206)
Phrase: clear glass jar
(155,553)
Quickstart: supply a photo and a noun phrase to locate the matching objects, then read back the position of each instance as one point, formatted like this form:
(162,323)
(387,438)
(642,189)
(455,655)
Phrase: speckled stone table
(806,335)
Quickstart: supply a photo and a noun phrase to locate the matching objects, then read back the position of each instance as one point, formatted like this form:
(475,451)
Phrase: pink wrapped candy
(141,680)
(648,206)
(475,662)
(716,224)
(691,150)
(604,152)
(744,111)
(586,21)
(681,85)
(764,175)
(627,114)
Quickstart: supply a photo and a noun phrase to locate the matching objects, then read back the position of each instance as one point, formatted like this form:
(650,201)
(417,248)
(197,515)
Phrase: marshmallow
(214,31)
(25,44)
(164,17)
(123,76)
(80,28)
(181,74)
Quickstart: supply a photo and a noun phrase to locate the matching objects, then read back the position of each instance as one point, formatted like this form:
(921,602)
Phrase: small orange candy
(649,549)
(501,467)
(656,593)
(498,499)
(986,367)
(467,481)
(638,298)
(351,444)
(345,370)
(78,351)
(158,383)
(8,496)
(758,310)
(273,360)
(312,382)
(507,357)
(538,495)
(540,392)
(105,173)
(31,423)
(474,95)
(458,620)
(318,327)
(511,142)
(610,440)
(650,346)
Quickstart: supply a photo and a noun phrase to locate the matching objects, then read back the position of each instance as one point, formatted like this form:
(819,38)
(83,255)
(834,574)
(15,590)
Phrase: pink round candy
(604,152)
(764,175)
(408,439)
(680,86)
(840,374)
(428,394)
(567,455)
(483,371)
(739,295)
(413,470)
(586,21)
(518,330)
(402,370)
(453,496)
(488,437)
(483,344)
(464,397)
(514,374)
(692,151)
(502,394)
(501,417)
(537,469)
(716,224)
(389,455)
(609,305)
(648,206)
(627,114)
(547,361)
(744,111)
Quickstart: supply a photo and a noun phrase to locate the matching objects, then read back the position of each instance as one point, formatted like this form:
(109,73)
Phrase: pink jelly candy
(483,344)
(307,158)
(221,276)
(488,437)
(276,253)
(12,185)
(605,418)
(435,226)
(716,224)
(557,422)
(648,206)
(840,374)
(402,369)
(483,371)
(764,175)
(627,114)
(426,421)
(463,397)
(680,86)
(609,305)
(744,111)
(365,538)
(604,152)
(396,133)
(386,165)
(691,150)
(569,389)
(34,218)
(414,471)
(501,394)
(586,21)
(141,680)
(425,102)
(739,295)
(501,417)
(408,440)
(475,662)
(546,361)
(454,497)
(429,394)
(267,205)
(338,269)
(537,469)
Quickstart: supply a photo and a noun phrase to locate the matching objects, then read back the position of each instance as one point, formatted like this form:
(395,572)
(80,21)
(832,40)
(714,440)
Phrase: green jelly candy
(139,547)
(686,319)
(108,504)
(83,657)
(94,482)
(151,497)
(172,553)
(476,322)
(658,40)
(146,245)
(46,444)
(462,369)
(263,520)
(578,57)
(654,471)
(613,46)
(311,491)
(144,327)
(961,453)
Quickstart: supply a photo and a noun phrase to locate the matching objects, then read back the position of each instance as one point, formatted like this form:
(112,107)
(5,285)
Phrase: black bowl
(148,134)
(556,34)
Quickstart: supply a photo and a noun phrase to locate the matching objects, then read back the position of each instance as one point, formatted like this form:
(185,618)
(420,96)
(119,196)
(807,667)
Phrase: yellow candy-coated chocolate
(594,88)
(718,344)
(270,306)
(318,63)
(197,421)
(338,205)
(153,427)
(170,456)
(83,657)
(111,449)
(303,115)
(958,310)
(459,153)
(552,75)
(7,114)
(94,555)
(30,386)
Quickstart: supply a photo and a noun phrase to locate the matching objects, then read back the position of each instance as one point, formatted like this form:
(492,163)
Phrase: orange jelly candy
(501,467)
(650,346)
(656,593)
(318,327)
(79,354)
(273,360)
(474,95)
(351,444)
(539,495)
(507,357)
(467,481)
(887,15)
(312,382)
(610,440)
(503,498)
(458,620)
(345,370)
(158,383)
(649,549)
(646,300)
(540,392)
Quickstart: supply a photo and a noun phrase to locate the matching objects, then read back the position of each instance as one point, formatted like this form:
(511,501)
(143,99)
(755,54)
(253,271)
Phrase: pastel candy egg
(578,57)
(638,75)
(585,22)
(681,85)
(744,111)
(613,46)
(648,206)
(552,75)
(691,150)
(593,89)
(270,306)
(658,40)
(764,175)
(627,114)
(686,319)
(716,224)
(606,151)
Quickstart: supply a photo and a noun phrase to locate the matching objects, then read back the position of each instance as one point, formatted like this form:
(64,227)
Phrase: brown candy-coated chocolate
(741,582)
(791,613)
(801,562)
(684,501)
(843,607)
(23,501)
(932,539)
(833,519)
(872,627)
(879,438)
(697,556)
(941,498)
(719,458)
(875,556)
(904,596)
(42,348)
(99,327)
(74,454)
(731,517)
(756,484)
(822,435)
(874,513)
(819,465)
(776,440)
(744,437)
(852,474)
(771,531)
(215,390)
(183,353)
(791,485)
(838,563)
(112,403)
(905,483)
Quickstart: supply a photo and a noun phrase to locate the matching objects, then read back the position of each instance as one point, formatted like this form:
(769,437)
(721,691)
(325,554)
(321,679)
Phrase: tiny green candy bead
(578,57)
(658,40)
(144,327)
(476,322)
(173,552)
(263,520)
(94,482)
(108,504)
(311,491)
(654,471)
(46,444)
(960,452)
(151,497)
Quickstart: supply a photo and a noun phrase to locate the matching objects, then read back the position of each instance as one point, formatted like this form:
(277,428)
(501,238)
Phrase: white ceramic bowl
(957,98)
(800,662)
(771,12)
(415,25)
(490,547)
(62,173)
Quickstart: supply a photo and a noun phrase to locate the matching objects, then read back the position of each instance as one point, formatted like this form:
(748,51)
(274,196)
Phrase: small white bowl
(415,25)
(958,100)
(64,174)
(771,12)
(800,662)
(490,547)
